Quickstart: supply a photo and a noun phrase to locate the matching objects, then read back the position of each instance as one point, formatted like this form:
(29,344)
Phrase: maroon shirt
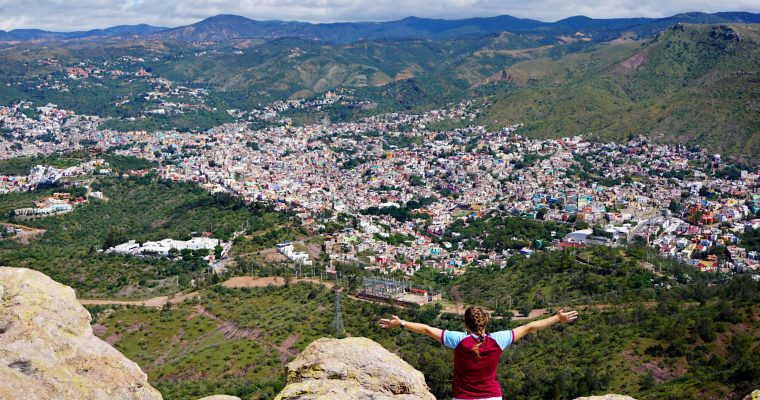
(475,377)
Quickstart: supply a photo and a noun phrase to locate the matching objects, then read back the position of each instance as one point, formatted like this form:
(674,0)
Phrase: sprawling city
(236,203)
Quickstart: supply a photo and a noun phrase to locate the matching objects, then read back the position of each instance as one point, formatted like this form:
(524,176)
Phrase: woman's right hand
(390,323)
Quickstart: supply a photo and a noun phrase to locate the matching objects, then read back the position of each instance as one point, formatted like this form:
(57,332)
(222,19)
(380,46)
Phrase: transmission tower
(338,323)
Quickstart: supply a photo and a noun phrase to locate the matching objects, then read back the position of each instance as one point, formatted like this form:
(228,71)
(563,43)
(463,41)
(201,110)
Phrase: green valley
(220,195)
(136,209)
(689,84)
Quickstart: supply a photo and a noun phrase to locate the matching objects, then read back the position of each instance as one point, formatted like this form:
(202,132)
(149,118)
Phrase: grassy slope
(692,86)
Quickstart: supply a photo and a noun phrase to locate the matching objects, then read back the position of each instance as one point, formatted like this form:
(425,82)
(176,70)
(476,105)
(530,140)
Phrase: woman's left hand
(567,316)
(390,323)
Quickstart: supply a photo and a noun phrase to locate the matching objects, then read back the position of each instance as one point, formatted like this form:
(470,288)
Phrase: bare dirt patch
(314,250)
(632,64)
(99,330)
(514,52)
(247,281)
(404,74)
(27,233)
(116,337)
(285,351)
(659,373)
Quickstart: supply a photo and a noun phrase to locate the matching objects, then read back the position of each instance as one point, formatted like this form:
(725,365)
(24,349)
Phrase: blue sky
(68,15)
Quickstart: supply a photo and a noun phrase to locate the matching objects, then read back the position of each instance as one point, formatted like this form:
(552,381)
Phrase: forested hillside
(136,209)
(692,341)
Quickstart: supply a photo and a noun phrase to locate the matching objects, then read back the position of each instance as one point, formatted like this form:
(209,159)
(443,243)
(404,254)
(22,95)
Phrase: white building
(162,247)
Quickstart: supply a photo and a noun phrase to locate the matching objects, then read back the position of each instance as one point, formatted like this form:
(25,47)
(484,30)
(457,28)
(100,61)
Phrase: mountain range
(225,27)
(689,79)
(114,31)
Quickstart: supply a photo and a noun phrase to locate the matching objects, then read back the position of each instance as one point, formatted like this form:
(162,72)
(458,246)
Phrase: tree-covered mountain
(689,83)
(692,84)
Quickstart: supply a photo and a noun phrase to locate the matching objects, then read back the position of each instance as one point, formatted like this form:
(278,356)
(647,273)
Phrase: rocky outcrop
(607,397)
(48,350)
(352,368)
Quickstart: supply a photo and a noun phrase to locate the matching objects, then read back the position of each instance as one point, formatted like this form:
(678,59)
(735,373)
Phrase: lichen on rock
(48,350)
(352,368)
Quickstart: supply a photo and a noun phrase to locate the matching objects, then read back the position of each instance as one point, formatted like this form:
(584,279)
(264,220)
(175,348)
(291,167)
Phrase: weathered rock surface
(607,397)
(48,350)
(352,368)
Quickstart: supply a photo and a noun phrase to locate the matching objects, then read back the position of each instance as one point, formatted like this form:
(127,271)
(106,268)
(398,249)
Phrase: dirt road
(152,302)
(247,281)
(237,282)
(27,233)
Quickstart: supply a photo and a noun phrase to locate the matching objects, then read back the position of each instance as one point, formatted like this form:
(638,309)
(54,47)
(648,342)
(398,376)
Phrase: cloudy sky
(68,15)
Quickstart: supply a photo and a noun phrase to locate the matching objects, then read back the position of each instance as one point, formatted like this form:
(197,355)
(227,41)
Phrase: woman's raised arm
(415,327)
(561,316)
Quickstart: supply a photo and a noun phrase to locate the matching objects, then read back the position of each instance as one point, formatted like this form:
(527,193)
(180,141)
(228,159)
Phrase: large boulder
(755,395)
(48,350)
(352,368)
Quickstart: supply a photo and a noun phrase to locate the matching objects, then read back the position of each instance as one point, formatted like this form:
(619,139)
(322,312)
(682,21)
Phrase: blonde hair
(476,319)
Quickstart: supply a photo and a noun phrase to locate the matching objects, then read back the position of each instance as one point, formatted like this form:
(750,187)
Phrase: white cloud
(67,15)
